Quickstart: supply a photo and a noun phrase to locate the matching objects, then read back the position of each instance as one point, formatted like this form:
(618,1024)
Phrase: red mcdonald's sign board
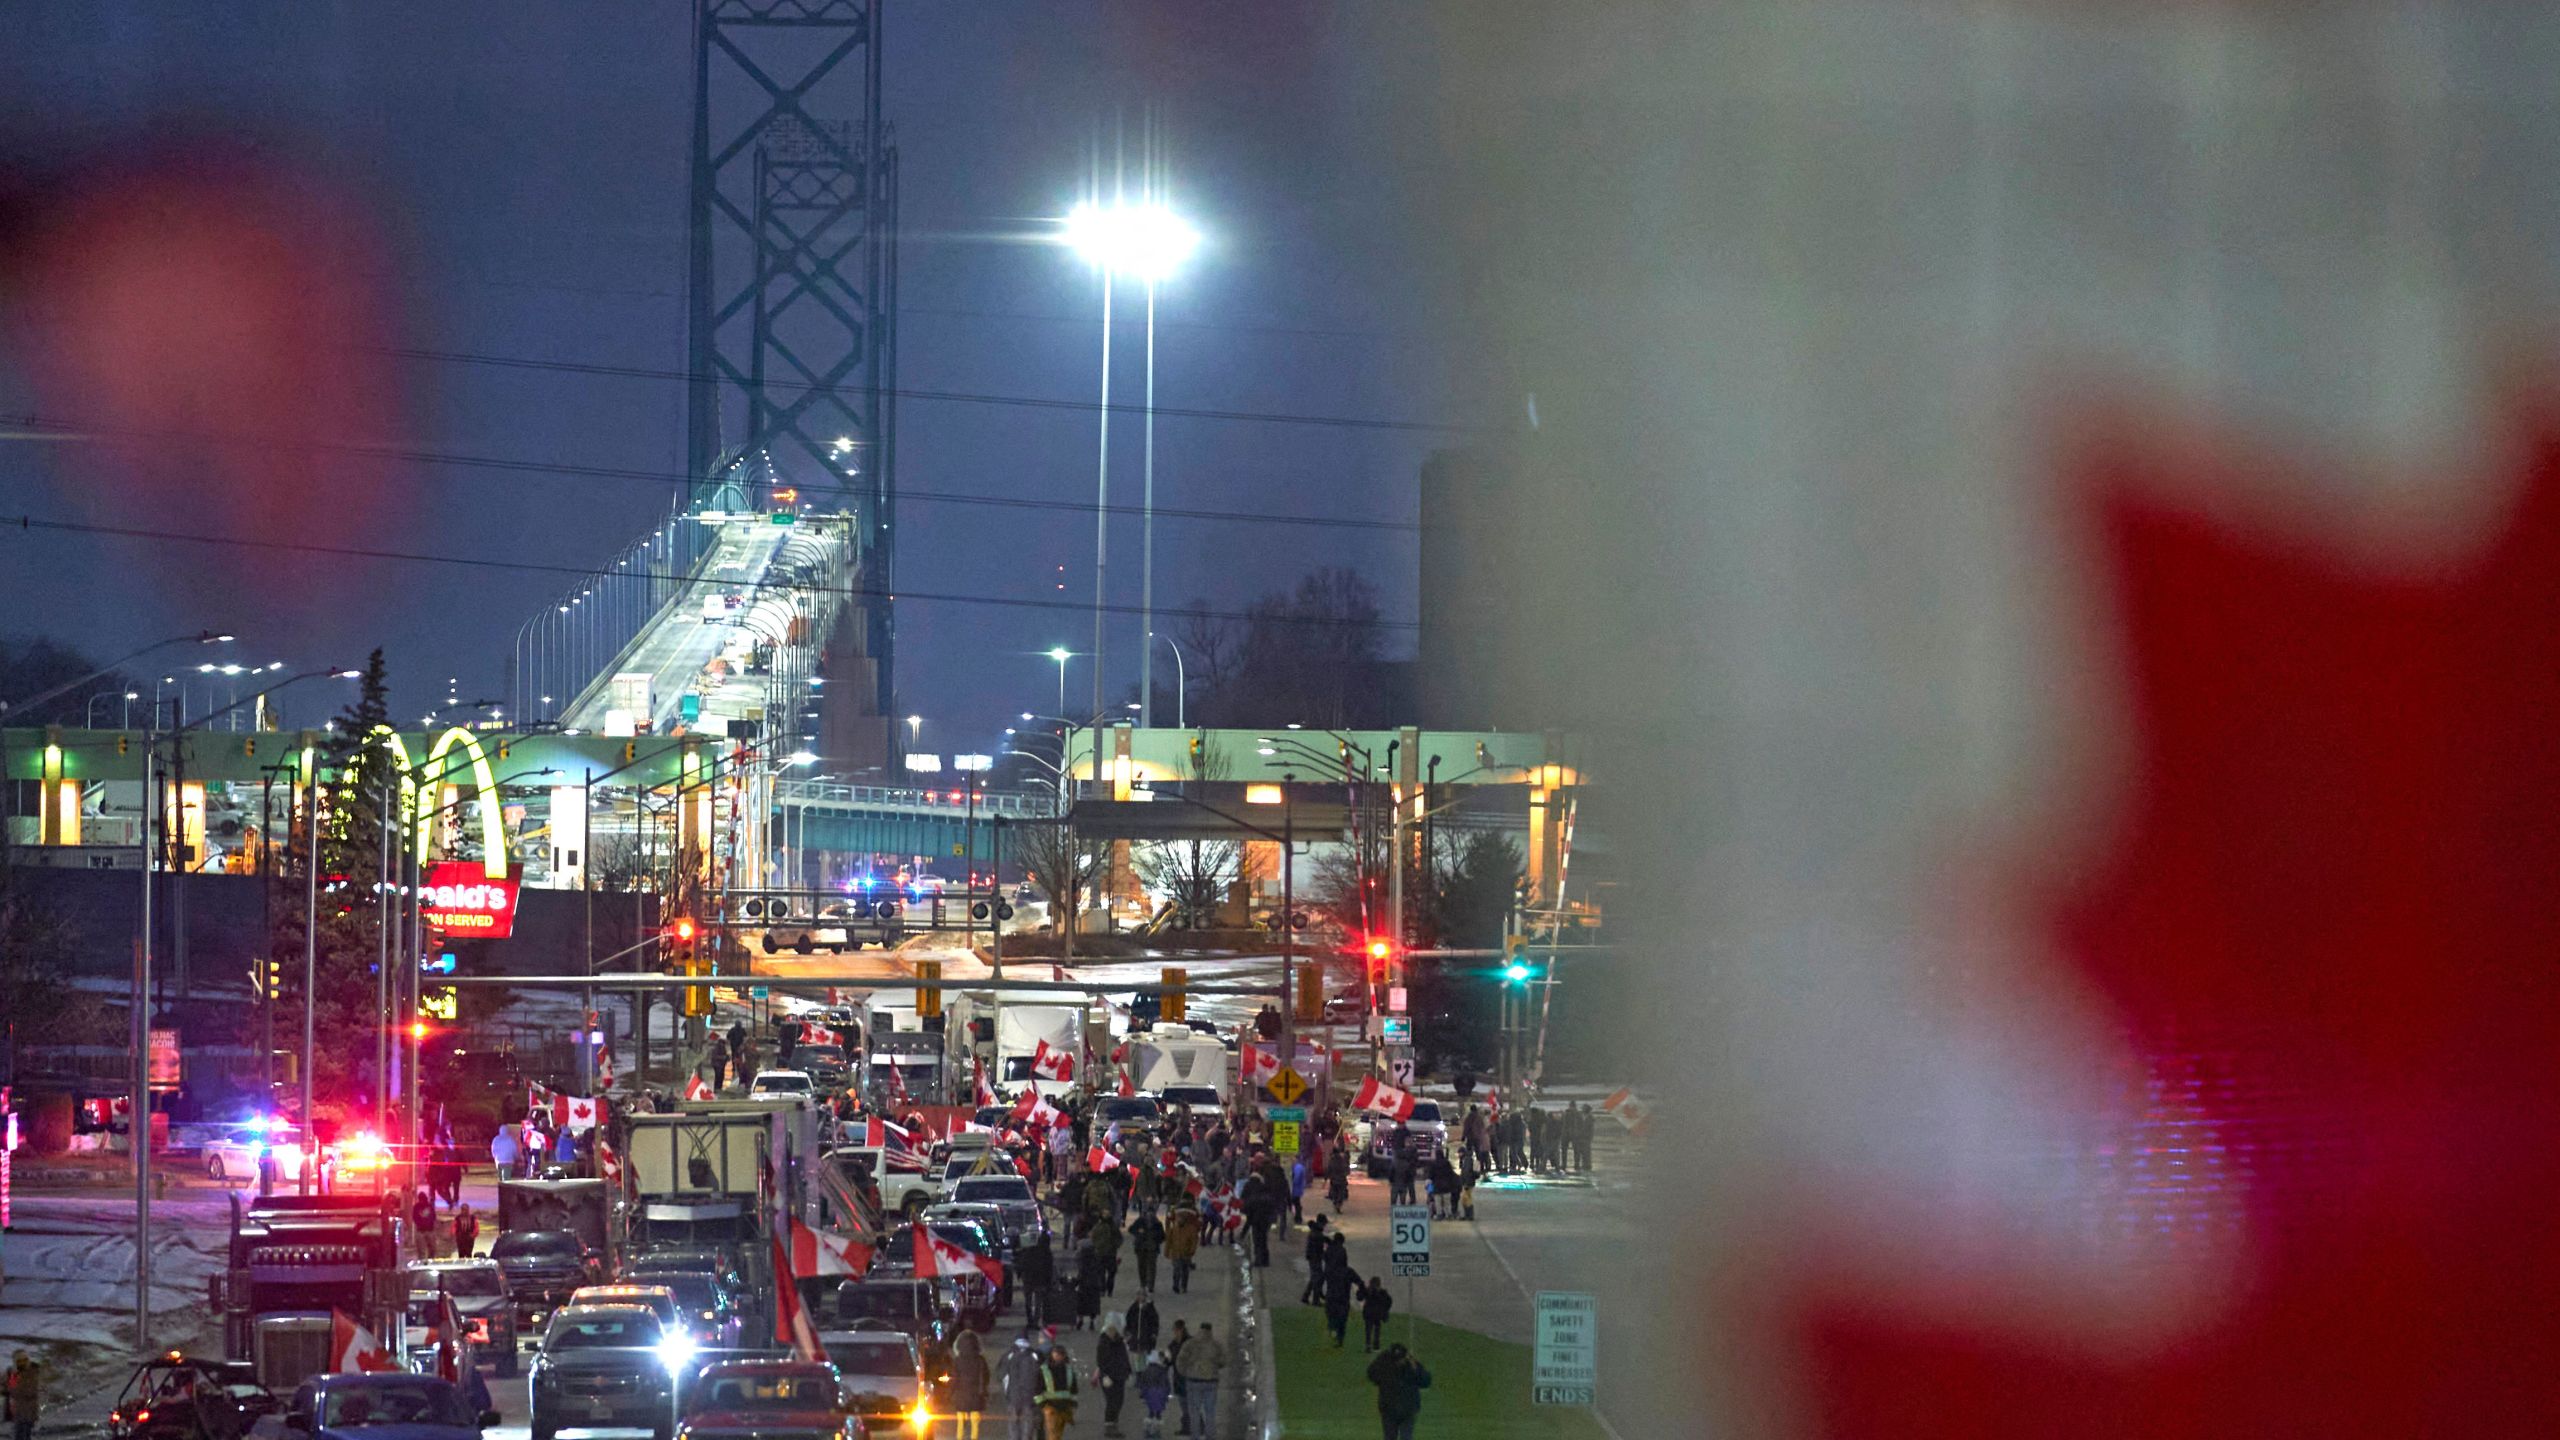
(462,901)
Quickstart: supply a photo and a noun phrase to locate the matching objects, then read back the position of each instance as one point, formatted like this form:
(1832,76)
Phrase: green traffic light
(1516,972)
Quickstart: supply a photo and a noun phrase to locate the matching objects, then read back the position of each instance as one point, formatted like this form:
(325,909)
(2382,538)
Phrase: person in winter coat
(1201,1361)
(1018,1379)
(466,1231)
(1314,1293)
(1337,1182)
(967,1396)
(1144,1324)
(1146,1240)
(1112,1370)
(1059,1387)
(1400,1380)
(1035,1268)
(1444,1186)
(1106,1251)
(1155,1386)
(1339,1286)
(25,1389)
(1182,1243)
(1261,1207)
(1376,1303)
(1088,1287)
(1174,1340)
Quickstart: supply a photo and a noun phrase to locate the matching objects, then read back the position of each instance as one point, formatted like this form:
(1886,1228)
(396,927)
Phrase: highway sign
(1288,1087)
(1566,1370)
(1409,1239)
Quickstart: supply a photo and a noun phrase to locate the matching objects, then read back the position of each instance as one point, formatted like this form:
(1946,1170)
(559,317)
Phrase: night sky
(523,169)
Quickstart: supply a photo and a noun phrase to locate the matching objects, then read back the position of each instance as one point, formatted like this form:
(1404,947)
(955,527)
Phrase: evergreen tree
(352,767)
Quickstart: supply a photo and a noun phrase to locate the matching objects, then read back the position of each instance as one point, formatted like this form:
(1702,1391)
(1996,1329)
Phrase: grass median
(1479,1385)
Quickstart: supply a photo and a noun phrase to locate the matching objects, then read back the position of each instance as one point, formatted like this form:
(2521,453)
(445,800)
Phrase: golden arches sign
(427,778)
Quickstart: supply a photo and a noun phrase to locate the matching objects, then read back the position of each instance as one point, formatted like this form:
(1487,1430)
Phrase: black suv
(545,1267)
(602,1366)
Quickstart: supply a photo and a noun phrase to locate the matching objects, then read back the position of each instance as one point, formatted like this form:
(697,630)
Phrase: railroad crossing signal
(1287,1087)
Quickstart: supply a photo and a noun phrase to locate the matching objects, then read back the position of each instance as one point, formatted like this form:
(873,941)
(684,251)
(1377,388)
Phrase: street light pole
(1101,514)
(1147,536)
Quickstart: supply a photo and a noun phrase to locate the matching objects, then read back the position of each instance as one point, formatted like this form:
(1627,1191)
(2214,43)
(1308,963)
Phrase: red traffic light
(417,1029)
(1382,948)
(682,929)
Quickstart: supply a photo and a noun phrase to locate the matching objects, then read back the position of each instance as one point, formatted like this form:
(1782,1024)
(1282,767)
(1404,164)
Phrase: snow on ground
(68,1259)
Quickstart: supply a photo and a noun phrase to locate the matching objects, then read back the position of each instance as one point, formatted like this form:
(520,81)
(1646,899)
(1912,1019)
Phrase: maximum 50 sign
(1409,1239)
(1567,1368)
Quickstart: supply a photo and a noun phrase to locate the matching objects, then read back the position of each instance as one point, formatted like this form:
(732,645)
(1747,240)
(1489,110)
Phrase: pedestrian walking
(1313,1294)
(1146,1241)
(1444,1187)
(1376,1304)
(1340,1284)
(716,1055)
(1036,1267)
(967,1396)
(1106,1251)
(466,1231)
(1018,1380)
(25,1394)
(422,1220)
(1400,1380)
(1200,1364)
(1182,1243)
(1059,1388)
(1155,1386)
(1143,1324)
(1174,1340)
(1260,1208)
(1112,1369)
(1088,1286)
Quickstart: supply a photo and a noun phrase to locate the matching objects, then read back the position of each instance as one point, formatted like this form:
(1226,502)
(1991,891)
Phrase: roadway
(677,643)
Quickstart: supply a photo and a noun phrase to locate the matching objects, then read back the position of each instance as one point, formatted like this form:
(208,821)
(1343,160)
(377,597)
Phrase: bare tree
(1194,874)
(1062,863)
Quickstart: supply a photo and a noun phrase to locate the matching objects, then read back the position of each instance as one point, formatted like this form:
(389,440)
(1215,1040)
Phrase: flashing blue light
(864,882)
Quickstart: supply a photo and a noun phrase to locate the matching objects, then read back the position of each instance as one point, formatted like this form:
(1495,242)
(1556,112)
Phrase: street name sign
(1409,1239)
(1566,1370)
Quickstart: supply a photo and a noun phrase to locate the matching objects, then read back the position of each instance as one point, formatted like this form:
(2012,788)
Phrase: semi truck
(1179,1064)
(1007,1030)
(293,1264)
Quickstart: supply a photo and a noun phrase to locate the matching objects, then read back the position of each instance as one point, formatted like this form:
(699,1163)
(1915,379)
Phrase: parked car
(1428,1130)
(901,1302)
(479,1291)
(781,1085)
(544,1267)
(653,1293)
(1019,1210)
(882,1371)
(824,1063)
(714,1260)
(603,1366)
(233,1154)
(177,1396)
(393,1405)
(768,1399)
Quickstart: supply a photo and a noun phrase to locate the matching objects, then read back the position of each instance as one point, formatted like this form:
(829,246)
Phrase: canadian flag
(897,1085)
(939,1259)
(826,1252)
(574,1112)
(790,1318)
(352,1348)
(1623,1106)
(813,1033)
(1127,1085)
(1033,1111)
(697,1088)
(1256,1064)
(882,1134)
(604,1066)
(978,1082)
(1049,1063)
(607,1163)
(1195,1187)
(1101,1160)
(537,1101)
(1383,1100)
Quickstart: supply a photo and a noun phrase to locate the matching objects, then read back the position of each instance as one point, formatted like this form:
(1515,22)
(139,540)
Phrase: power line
(32,523)
(40,427)
(965,397)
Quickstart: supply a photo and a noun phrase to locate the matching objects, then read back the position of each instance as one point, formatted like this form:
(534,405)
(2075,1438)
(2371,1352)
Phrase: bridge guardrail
(1017,804)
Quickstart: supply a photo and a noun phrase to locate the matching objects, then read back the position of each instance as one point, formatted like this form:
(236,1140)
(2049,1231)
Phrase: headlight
(674,1350)
(920,1417)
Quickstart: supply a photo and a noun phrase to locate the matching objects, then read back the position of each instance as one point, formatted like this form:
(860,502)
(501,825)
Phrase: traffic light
(503,748)
(1310,994)
(630,751)
(1382,953)
(275,977)
(249,748)
(1515,959)
(1177,1000)
(680,933)
(928,998)
(124,744)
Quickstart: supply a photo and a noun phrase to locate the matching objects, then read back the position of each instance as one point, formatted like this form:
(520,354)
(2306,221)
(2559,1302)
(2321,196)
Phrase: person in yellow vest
(1057,1395)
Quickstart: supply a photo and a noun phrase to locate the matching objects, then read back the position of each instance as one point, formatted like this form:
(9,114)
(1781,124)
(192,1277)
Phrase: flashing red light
(1382,948)
(417,1029)
(683,928)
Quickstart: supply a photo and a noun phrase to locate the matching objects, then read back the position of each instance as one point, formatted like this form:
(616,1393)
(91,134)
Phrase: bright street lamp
(1146,240)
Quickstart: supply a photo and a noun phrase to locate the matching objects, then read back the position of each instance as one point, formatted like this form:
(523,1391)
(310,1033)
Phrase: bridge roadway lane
(677,643)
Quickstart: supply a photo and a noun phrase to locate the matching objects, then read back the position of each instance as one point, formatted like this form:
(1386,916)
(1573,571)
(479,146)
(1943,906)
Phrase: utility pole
(1288,925)
(138,1123)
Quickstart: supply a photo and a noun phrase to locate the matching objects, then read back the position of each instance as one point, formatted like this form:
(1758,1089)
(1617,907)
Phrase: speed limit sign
(1409,1239)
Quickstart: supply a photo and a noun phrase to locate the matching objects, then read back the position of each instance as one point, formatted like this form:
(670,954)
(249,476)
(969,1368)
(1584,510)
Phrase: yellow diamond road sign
(1287,1086)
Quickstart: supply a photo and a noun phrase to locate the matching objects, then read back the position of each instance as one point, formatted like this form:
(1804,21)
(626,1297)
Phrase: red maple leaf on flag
(2323,920)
